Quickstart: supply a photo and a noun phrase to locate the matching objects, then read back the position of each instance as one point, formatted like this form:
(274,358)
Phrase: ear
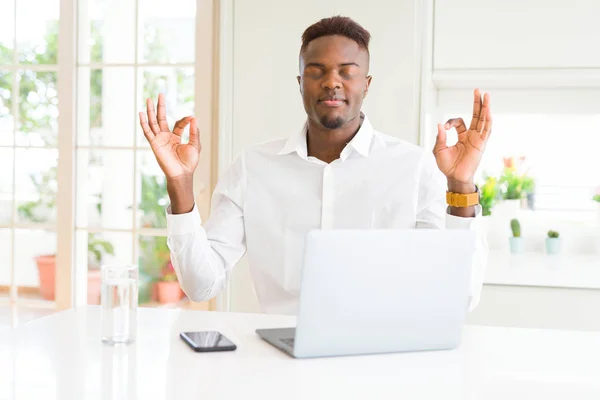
(367,85)
(299,78)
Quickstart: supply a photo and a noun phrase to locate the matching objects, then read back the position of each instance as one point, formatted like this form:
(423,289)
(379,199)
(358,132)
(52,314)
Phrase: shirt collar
(361,142)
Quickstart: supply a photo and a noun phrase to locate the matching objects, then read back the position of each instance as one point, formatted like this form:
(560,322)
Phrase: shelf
(543,270)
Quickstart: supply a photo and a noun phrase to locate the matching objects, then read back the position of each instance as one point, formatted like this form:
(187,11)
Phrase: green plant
(154,252)
(153,201)
(596,196)
(169,278)
(97,249)
(511,184)
(45,187)
(169,274)
(514,184)
(528,184)
(515,226)
(489,193)
(553,234)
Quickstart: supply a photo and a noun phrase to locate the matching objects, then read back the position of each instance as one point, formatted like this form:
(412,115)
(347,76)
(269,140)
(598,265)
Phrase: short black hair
(337,25)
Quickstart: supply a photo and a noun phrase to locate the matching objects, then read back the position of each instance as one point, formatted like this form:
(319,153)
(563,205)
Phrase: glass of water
(119,303)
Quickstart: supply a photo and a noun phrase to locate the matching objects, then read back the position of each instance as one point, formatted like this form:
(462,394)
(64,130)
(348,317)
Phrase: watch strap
(462,199)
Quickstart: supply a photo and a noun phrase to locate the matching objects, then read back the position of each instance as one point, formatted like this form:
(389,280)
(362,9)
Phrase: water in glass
(119,304)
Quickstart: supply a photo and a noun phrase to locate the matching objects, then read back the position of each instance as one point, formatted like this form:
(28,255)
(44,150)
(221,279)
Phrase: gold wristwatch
(463,199)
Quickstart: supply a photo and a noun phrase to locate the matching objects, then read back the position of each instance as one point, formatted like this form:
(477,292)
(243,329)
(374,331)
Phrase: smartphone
(207,341)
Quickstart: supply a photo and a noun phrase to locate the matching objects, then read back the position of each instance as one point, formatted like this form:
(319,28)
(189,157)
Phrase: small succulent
(516,227)
(553,234)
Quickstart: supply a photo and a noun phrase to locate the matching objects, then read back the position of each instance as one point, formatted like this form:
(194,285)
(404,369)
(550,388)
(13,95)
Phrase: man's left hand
(460,162)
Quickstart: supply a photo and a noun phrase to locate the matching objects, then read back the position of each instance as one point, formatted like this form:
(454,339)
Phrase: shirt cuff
(182,224)
(454,222)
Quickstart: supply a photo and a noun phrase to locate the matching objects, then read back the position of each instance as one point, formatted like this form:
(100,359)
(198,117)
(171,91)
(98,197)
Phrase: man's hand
(178,161)
(459,162)
(175,158)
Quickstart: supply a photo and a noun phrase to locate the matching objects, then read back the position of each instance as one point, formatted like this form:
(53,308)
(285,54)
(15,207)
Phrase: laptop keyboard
(289,342)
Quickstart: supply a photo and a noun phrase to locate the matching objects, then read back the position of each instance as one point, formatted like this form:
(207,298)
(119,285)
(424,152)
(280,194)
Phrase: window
(557,131)
(28,141)
(121,192)
(126,51)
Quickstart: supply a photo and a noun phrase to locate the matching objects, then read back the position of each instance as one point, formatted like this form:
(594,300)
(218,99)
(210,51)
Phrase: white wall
(498,34)
(266,98)
(267,102)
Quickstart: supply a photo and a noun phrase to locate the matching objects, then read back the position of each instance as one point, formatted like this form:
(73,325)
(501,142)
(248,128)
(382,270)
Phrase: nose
(331,82)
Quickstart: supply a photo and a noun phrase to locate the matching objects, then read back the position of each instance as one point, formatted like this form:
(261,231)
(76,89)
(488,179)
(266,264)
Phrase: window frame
(71,279)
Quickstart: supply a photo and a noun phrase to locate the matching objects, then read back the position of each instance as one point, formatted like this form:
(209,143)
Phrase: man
(337,172)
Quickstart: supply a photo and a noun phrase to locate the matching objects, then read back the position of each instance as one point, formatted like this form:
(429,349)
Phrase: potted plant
(167,288)
(528,186)
(516,241)
(491,224)
(40,210)
(154,253)
(489,194)
(596,197)
(97,249)
(46,265)
(553,242)
(515,184)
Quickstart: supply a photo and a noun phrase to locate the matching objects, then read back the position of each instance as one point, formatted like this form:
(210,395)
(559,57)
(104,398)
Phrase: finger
(484,112)
(440,140)
(476,109)
(457,123)
(162,113)
(195,134)
(152,117)
(146,128)
(487,128)
(180,125)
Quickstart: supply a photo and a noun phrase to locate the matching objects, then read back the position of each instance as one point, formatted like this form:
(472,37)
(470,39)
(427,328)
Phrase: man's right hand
(178,161)
(175,158)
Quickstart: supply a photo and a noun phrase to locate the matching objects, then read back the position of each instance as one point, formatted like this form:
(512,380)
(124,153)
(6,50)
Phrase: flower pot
(47,274)
(553,245)
(168,292)
(94,287)
(531,201)
(517,245)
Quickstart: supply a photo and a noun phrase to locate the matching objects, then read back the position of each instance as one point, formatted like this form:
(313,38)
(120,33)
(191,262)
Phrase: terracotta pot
(94,287)
(168,292)
(47,273)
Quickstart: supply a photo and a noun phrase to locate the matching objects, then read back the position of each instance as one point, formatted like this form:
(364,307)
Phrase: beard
(332,123)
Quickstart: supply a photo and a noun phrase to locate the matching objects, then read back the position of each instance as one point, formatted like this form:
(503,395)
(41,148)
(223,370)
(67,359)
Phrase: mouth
(332,102)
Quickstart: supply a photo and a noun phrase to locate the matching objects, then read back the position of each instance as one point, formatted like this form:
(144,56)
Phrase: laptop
(380,291)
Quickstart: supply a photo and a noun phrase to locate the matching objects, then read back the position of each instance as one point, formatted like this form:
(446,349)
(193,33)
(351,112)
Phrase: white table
(61,357)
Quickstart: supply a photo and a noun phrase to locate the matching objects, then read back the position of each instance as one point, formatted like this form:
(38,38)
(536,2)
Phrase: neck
(327,144)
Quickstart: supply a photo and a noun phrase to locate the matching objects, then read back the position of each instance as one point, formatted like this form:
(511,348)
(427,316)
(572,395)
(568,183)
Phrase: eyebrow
(319,65)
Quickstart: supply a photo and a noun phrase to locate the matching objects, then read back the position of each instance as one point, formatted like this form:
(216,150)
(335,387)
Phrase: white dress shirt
(274,193)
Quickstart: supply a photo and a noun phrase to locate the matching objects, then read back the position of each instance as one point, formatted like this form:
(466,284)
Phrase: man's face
(333,80)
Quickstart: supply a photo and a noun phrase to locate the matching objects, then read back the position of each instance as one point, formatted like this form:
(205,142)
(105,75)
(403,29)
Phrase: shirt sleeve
(203,256)
(433,213)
